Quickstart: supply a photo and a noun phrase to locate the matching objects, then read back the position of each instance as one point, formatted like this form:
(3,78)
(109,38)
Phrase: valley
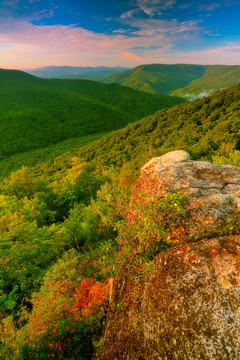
(35,112)
(119,180)
(185,80)
(84,213)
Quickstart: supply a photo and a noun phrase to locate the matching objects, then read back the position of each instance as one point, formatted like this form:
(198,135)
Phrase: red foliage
(91,295)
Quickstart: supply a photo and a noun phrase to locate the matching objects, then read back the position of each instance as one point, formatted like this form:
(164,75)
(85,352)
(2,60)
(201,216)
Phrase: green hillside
(48,160)
(67,232)
(158,78)
(206,127)
(35,112)
(190,81)
(216,77)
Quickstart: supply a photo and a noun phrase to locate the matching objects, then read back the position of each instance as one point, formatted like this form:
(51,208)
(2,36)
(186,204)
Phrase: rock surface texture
(213,192)
(189,306)
(176,172)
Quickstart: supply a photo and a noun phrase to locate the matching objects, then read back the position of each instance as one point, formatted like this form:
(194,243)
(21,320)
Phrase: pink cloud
(229,54)
(24,45)
(130,57)
(27,45)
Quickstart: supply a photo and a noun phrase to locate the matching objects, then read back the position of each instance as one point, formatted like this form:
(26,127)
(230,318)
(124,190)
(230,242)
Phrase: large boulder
(175,171)
(189,310)
(213,193)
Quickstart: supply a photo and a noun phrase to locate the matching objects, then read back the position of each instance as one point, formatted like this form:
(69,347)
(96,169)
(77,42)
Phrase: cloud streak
(155,7)
(209,7)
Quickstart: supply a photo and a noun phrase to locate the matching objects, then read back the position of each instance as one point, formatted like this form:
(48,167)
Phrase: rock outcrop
(213,192)
(188,308)
(175,171)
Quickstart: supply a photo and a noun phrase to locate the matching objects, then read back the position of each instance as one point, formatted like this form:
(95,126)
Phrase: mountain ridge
(77,72)
(185,80)
(208,127)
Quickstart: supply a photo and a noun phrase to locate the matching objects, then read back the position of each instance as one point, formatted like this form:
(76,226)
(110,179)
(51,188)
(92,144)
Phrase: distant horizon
(114,66)
(37,33)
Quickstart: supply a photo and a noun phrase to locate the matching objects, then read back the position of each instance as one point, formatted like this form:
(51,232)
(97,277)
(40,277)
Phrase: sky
(36,33)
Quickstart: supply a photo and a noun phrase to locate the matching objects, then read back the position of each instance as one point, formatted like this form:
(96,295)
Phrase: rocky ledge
(189,306)
(175,171)
(213,193)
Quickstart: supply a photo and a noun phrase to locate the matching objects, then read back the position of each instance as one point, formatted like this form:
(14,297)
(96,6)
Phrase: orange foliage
(91,295)
(62,306)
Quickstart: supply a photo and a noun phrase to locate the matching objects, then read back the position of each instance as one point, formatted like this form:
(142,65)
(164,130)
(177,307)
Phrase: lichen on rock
(195,302)
(176,172)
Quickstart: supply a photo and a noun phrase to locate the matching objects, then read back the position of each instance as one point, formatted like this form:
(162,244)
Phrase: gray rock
(213,192)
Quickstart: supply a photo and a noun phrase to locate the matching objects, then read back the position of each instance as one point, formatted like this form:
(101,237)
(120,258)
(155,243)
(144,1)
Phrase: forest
(38,112)
(66,234)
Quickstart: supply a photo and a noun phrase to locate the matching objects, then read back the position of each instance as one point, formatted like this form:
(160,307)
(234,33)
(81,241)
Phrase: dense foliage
(62,245)
(69,231)
(48,160)
(35,112)
(206,127)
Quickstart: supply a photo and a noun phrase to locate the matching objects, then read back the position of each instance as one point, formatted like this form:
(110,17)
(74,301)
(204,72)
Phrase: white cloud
(155,7)
(151,40)
(129,14)
(209,7)
(171,29)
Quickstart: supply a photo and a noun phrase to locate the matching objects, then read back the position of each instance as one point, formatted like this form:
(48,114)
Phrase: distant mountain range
(71,72)
(190,81)
(184,80)
(36,112)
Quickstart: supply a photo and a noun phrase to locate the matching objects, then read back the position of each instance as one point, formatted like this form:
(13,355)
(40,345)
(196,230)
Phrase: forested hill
(190,81)
(158,78)
(216,77)
(38,112)
(68,235)
(207,126)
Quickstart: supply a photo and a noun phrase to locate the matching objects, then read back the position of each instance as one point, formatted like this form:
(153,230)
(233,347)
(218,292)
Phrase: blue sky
(36,33)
